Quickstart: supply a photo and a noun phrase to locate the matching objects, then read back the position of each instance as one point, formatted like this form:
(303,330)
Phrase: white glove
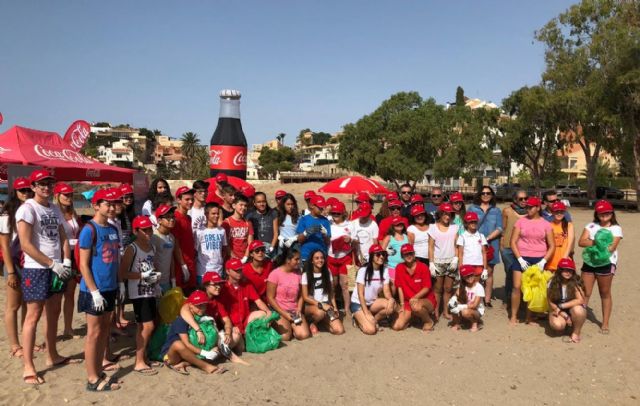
(185,272)
(432,269)
(244,259)
(210,355)
(523,264)
(224,348)
(484,275)
(270,250)
(67,266)
(453,265)
(153,278)
(323,230)
(206,318)
(60,270)
(173,283)
(453,303)
(289,241)
(121,292)
(542,263)
(99,302)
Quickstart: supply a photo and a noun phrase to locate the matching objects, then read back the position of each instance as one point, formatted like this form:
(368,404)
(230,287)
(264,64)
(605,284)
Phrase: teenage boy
(44,243)
(239,230)
(99,246)
(165,245)
(314,230)
(183,233)
(364,230)
(307,198)
(198,218)
(211,244)
(228,197)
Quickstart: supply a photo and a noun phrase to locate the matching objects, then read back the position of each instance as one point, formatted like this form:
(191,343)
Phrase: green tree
(460,97)
(272,161)
(300,139)
(189,149)
(280,138)
(320,138)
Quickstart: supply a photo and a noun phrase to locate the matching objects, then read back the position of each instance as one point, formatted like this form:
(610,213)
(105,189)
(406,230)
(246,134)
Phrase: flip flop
(111,367)
(146,371)
(66,361)
(181,371)
(156,364)
(40,348)
(33,380)
(220,371)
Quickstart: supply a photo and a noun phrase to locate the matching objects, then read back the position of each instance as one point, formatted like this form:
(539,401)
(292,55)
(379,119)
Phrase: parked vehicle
(565,191)
(606,192)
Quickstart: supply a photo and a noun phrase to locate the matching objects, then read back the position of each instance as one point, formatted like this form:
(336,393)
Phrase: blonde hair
(65,209)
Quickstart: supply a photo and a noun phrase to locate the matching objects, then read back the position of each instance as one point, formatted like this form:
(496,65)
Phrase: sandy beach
(497,365)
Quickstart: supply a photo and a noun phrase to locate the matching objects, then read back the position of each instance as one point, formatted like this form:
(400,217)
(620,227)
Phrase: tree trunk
(636,171)
(592,165)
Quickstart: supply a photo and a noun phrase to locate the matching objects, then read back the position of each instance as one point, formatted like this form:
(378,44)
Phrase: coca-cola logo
(79,136)
(65,155)
(93,173)
(215,155)
(240,159)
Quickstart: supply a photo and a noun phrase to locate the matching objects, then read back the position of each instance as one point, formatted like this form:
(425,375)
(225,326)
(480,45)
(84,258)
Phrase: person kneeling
(320,306)
(566,300)
(468,303)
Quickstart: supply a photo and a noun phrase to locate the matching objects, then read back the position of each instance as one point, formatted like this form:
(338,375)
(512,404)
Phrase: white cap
(230,94)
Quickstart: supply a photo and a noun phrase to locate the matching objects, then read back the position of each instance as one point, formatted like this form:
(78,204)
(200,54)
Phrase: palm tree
(280,138)
(190,146)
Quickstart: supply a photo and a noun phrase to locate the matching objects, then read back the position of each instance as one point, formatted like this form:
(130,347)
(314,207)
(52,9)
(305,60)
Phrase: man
(549,197)
(314,230)
(182,231)
(436,200)
(406,193)
(200,191)
(44,243)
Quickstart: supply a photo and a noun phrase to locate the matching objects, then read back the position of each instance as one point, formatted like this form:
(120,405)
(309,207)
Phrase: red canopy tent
(25,146)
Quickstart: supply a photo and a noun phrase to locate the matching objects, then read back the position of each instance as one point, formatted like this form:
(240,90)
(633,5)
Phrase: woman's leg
(448,292)
(283,327)
(301,331)
(578,317)
(380,309)
(423,309)
(604,287)
(438,288)
(516,295)
(404,317)
(14,302)
(315,316)
(367,326)
(488,289)
(67,310)
(589,279)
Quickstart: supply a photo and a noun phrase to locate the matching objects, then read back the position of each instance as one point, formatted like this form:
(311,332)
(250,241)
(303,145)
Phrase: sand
(497,365)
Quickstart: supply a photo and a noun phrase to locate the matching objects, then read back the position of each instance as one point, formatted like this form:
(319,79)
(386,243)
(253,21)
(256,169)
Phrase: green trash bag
(598,254)
(210,335)
(157,341)
(260,337)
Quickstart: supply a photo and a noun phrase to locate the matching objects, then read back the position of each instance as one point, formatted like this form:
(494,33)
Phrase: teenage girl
(340,251)
(472,246)
(563,235)
(418,233)
(443,261)
(470,299)
(318,295)
(158,187)
(394,240)
(566,300)
(288,215)
(603,217)
(258,267)
(459,210)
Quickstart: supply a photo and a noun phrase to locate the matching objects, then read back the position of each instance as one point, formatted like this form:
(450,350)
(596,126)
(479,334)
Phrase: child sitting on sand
(468,304)
(566,300)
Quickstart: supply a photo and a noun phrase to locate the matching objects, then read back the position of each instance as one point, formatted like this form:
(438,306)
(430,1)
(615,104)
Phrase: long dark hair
(392,231)
(368,273)
(555,287)
(153,188)
(325,274)
(287,254)
(10,208)
(462,292)
(282,213)
(614,220)
(476,198)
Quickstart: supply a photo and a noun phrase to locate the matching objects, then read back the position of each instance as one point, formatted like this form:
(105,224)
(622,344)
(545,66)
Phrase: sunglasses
(558,212)
(261,249)
(552,201)
(405,192)
(380,254)
(394,208)
(436,195)
(486,194)
(408,254)
(25,191)
(169,218)
(521,199)
(44,184)
(127,197)
(336,214)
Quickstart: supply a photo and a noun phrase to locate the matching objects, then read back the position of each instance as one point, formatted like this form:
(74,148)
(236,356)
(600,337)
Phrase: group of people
(237,260)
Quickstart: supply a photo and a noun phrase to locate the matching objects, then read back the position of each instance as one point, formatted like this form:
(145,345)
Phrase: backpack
(94,237)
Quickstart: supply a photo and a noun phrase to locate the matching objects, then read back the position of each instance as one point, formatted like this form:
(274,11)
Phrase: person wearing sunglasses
(405,194)
(258,267)
(510,214)
(549,197)
(436,200)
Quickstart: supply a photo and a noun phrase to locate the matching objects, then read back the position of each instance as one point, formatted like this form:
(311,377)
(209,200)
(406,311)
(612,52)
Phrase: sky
(298,64)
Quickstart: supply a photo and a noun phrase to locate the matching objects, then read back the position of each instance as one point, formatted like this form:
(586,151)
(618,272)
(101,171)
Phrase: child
(178,352)
(137,269)
(566,300)
(395,239)
(257,269)
(603,217)
(364,230)
(563,234)
(472,246)
(183,234)
(239,230)
(418,233)
(340,251)
(314,230)
(443,261)
(165,246)
(468,304)
(211,244)
(197,212)
(320,305)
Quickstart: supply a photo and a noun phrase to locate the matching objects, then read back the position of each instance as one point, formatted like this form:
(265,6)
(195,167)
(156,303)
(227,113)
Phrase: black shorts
(423,260)
(609,269)
(144,309)
(85,302)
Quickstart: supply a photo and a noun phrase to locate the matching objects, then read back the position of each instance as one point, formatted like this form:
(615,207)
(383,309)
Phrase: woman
(283,294)
(566,300)
(563,235)
(158,186)
(318,295)
(63,199)
(418,233)
(257,269)
(532,243)
(288,215)
(603,218)
(11,253)
(510,215)
(265,222)
(490,225)
(367,307)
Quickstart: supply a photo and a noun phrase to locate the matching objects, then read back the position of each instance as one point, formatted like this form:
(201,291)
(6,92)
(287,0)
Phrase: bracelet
(199,330)
(11,273)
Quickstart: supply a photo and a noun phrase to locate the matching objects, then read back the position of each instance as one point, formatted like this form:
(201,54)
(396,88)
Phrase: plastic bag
(170,305)
(534,288)
(598,254)
(157,341)
(210,335)
(260,337)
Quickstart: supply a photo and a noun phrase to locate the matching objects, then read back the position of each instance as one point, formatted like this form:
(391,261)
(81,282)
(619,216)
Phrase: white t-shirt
(164,245)
(71,227)
(318,294)
(147,208)
(14,246)
(372,290)
(287,228)
(476,291)
(209,243)
(339,231)
(445,242)
(365,234)
(198,219)
(616,230)
(420,242)
(142,261)
(45,234)
(472,251)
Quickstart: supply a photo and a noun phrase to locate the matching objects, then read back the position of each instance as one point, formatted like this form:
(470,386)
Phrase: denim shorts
(515,266)
(355,307)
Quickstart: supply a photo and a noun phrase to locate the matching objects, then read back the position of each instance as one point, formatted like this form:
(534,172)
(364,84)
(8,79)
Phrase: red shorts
(477,271)
(339,266)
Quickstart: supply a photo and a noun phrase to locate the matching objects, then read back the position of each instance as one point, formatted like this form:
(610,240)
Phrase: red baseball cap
(164,209)
(126,189)
(233,264)
(197,298)
(116,192)
(470,217)
(38,175)
(417,198)
(21,183)
(61,187)
(211,277)
(332,201)
(182,190)
(391,196)
(446,208)
(105,194)
(533,202)
(558,206)
(395,220)
(406,249)
(363,197)
(318,200)
(309,194)
(141,222)
(365,209)
(395,203)
(376,248)
(248,191)
(417,210)
(255,244)
(222,178)
(567,263)
(456,197)
(280,194)
(603,206)
(338,208)
(467,270)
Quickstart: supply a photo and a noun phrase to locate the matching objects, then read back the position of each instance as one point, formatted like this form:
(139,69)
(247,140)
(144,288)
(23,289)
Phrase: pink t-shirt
(287,288)
(533,240)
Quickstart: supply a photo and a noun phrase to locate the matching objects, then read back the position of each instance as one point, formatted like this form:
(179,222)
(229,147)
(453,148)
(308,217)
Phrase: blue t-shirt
(179,326)
(105,262)
(315,240)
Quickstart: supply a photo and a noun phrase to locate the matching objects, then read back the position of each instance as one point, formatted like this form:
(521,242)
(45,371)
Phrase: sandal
(33,380)
(111,367)
(102,385)
(181,371)
(146,371)
(40,348)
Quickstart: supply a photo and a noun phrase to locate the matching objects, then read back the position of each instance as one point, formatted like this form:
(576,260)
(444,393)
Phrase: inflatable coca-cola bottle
(228,148)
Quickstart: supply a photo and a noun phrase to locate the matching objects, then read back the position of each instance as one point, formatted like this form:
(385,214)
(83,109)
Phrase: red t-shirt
(258,281)
(183,233)
(238,232)
(216,310)
(236,302)
(385,224)
(412,284)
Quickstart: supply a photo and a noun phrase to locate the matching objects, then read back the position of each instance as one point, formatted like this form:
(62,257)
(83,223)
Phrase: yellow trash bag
(170,305)
(534,288)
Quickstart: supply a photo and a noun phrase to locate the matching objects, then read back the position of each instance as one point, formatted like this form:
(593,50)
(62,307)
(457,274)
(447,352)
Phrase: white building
(119,154)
